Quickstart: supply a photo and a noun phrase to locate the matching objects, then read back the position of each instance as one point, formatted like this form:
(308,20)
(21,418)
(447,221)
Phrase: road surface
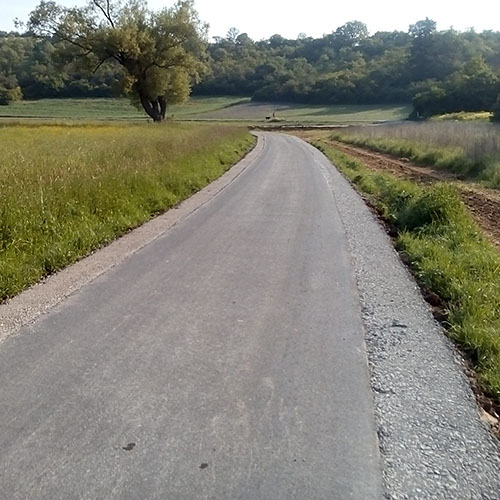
(225,360)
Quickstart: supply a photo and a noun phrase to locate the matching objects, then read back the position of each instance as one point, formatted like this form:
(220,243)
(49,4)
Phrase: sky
(263,18)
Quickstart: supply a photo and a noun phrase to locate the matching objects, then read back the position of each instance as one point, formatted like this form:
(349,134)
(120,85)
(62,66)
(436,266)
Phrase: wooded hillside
(440,71)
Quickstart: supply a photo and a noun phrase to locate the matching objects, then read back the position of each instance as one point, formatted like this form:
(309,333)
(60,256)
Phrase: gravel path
(433,442)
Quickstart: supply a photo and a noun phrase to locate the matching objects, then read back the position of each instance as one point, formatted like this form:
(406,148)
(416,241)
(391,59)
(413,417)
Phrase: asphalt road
(225,360)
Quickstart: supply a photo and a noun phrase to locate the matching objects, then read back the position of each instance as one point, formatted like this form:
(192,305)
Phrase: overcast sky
(263,18)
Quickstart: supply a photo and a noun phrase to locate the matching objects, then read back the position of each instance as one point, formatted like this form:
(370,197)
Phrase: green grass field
(66,190)
(203,108)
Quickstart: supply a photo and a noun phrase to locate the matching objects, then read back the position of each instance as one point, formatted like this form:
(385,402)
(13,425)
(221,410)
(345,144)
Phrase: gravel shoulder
(433,442)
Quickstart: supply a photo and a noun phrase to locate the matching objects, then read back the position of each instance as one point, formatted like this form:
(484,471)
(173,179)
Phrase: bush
(438,204)
(9,90)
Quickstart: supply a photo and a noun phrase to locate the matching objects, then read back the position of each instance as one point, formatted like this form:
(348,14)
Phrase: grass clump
(448,254)
(468,149)
(463,116)
(66,190)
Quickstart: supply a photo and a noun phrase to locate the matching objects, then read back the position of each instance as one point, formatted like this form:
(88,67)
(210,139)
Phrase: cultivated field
(307,114)
(468,149)
(68,189)
(203,108)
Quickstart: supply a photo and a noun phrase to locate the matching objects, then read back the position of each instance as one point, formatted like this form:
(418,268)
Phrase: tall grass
(66,190)
(448,254)
(464,116)
(470,149)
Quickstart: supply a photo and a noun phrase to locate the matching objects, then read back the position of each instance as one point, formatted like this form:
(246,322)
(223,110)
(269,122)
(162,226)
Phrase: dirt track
(483,203)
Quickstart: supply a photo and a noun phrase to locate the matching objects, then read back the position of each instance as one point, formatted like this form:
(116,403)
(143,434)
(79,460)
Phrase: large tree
(162,53)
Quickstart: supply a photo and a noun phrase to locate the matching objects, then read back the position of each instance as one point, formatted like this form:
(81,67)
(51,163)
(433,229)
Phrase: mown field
(450,257)
(469,149)
(66,190)
(203,108)
(106,109)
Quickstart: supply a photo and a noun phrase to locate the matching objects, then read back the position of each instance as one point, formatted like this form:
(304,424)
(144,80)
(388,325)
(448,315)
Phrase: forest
(439,71)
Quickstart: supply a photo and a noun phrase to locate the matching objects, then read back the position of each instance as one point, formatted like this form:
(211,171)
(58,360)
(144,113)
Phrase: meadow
(447,253)
(66,190)
(107,108)
(226,108)
(467,148)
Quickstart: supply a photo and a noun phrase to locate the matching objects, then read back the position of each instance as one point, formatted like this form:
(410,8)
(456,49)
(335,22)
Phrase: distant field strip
(226,108)
(66,190)
(310,114)
(469,149)
(108,109)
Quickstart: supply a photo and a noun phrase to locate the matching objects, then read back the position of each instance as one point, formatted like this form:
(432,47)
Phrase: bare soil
(483,203)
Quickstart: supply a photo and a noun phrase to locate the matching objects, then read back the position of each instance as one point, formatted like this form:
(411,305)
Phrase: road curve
(225,360)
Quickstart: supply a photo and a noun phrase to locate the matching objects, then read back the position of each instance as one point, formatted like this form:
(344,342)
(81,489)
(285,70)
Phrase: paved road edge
(28,306)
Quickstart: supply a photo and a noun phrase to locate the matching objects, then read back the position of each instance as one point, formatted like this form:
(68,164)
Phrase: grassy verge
(448,255)
(66,190)
(468,149)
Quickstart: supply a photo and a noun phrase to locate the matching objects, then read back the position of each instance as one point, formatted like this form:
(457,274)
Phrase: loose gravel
(433,442)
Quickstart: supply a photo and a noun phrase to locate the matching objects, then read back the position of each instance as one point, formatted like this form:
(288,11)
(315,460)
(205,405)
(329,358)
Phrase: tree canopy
(161,53)
(441,71)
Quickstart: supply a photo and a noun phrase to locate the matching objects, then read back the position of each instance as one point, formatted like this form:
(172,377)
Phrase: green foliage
(66,190)
(474,87)
(448,254)
(436,207)
(445,71)
(160,52)
(349,66)
(9,90)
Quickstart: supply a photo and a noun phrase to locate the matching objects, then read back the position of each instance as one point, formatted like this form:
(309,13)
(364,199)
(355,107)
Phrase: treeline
(32,68)
(440,71)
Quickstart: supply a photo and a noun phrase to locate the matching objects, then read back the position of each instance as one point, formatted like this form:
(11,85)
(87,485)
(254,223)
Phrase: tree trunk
(163,106)
(155,108)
